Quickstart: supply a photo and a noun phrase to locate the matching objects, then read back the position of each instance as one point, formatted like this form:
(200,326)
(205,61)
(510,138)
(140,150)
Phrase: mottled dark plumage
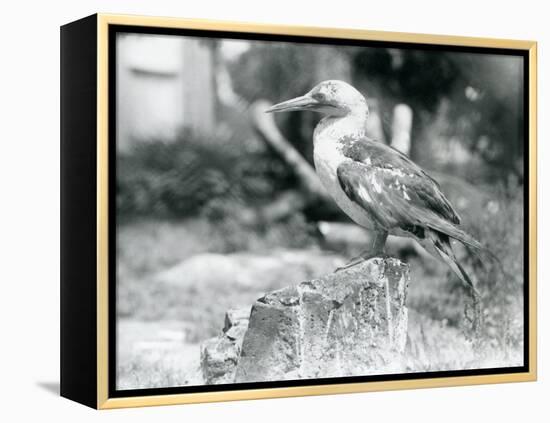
(401,179)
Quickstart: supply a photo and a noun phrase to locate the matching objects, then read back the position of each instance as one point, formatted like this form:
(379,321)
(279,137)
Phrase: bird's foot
(360,259)
(351,263)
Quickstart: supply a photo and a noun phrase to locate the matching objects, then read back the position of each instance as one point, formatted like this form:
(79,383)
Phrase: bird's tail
(443,247)
(468,240)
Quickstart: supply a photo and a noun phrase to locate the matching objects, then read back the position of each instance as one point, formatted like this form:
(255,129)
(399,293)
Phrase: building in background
(164,84)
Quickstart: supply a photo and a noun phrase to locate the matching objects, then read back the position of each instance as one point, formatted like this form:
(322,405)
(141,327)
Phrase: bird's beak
(304,102)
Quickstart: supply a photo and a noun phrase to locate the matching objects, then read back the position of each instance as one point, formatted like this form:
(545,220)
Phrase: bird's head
(332,98)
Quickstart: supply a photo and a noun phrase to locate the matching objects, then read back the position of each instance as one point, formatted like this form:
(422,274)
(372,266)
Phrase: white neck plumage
(334,128)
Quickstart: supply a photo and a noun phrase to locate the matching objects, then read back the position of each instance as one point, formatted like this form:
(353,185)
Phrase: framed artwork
(256,211)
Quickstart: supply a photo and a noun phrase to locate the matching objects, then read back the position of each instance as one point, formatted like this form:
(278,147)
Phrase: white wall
(158,90)
(29,168)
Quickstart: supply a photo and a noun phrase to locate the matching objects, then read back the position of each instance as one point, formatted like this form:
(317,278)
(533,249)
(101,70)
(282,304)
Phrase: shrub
(179,178)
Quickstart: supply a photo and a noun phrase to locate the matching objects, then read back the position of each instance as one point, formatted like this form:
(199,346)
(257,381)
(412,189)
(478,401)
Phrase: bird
(377,186)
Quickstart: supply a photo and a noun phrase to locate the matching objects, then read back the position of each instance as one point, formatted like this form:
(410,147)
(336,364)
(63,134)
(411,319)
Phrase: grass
(155,354)
(433,345)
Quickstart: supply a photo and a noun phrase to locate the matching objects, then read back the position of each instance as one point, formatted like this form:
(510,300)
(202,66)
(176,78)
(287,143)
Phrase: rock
(271,343)
(236,317)
(219,358)
(352,322)
(219,355)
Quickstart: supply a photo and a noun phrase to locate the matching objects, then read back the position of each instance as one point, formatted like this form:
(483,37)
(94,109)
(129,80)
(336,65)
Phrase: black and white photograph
(293,210)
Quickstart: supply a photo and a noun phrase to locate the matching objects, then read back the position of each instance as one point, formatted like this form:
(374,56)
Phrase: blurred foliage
(275,71)
(169,178)
(416,77)
(499,226)
(182,177)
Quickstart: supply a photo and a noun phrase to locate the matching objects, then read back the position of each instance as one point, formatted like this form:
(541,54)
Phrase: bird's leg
(375,250)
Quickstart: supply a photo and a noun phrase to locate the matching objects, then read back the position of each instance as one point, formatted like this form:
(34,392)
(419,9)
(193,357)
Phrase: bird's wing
(397,170)
(396,193)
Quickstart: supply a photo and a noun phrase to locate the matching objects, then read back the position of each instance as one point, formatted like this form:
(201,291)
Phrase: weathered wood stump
(353,322)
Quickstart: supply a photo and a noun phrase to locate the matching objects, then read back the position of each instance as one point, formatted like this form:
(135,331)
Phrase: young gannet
(378,187)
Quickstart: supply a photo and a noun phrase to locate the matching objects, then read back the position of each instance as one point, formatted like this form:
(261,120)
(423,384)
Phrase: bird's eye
(319,96)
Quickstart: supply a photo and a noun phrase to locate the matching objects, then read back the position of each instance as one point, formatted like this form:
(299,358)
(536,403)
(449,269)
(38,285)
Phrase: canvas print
(294,211)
